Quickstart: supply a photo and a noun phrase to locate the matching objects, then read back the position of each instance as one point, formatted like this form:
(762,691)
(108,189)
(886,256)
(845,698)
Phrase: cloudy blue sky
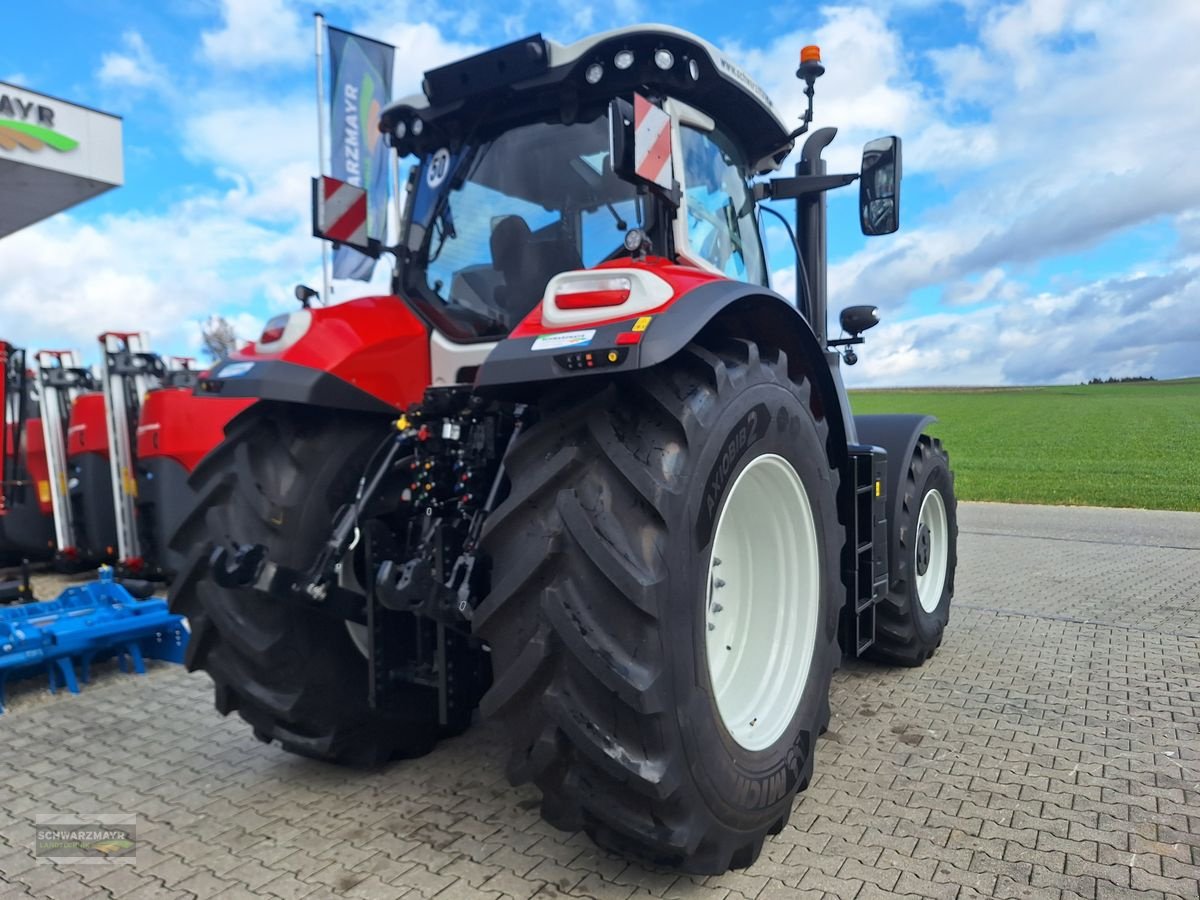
(1051,226)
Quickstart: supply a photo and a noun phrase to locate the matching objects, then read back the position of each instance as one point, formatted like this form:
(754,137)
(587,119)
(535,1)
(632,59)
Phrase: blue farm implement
(86,624)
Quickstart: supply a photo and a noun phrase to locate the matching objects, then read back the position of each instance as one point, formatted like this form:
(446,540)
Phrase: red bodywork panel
(177,424)
(33,456)
(87,431)
(37,464)
(380,346)
(376,344)
(7,448)
(681,278)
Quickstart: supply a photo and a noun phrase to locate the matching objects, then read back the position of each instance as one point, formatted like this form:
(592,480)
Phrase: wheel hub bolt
(923,549)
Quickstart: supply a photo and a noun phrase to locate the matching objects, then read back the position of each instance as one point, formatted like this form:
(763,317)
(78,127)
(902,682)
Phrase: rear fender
(524,365)
(898,435)
(369,354)
(175,424)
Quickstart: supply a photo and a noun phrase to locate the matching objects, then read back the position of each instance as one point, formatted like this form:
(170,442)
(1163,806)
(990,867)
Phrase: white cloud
(1059,126)
(133,67)
(1092,146)
(66,281)
(868,89)
(990,287)
(258,33)
(420,46)
(268,150)
(1134,324)
(236,248)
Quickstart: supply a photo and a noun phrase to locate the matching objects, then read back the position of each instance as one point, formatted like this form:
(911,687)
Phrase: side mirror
(879,186)
(640,144)
(304,294)
(620,138)
(857,319)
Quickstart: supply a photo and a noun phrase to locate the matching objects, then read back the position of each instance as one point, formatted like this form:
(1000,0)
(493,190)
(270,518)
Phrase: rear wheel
(294,674)
(663,619)
(912,618)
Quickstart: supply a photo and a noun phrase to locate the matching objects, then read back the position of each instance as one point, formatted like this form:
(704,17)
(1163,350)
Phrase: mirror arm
(844,342)
(800,186)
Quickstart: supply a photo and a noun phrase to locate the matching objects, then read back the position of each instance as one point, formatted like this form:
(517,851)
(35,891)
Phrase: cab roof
(538,78)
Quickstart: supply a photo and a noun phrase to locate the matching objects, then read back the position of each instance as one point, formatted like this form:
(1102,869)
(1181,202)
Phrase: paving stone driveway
(1050,749)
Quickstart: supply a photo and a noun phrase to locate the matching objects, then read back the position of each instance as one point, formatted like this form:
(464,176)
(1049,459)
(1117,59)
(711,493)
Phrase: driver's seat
(527,263)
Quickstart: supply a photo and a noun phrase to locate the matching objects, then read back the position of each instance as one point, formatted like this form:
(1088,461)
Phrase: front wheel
(663,618)
(912,618)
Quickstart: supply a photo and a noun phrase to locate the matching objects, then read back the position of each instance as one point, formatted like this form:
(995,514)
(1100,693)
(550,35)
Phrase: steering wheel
(481,324)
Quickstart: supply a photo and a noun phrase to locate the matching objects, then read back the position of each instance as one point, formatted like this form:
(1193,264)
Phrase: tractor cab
(517,181)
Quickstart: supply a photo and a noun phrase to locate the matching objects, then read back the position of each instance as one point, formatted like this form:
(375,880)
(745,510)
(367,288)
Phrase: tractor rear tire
(603,612)
(911,619)
(294,674)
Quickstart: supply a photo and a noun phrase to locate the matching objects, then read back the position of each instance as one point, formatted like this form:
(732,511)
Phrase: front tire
(911,620)
(605,578)
(294,674)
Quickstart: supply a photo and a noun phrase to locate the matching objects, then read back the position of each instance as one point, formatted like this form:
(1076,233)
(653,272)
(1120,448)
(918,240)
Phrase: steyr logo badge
(30,126)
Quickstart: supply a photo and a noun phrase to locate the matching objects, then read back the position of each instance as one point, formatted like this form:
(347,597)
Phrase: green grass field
(1134,445)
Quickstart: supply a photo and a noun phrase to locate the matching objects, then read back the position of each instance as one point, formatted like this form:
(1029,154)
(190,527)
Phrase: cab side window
(722,227)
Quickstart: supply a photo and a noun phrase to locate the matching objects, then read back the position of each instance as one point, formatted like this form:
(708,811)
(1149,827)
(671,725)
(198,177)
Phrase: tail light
(273,330)
(582,296)
(593,293)
(282,332)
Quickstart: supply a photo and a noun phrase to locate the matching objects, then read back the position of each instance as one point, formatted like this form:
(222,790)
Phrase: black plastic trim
(275,379)
(514,362)
(898,435)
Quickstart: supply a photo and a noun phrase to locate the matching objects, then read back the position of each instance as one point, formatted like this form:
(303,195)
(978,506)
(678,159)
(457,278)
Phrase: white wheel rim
(932,552)
(762,602)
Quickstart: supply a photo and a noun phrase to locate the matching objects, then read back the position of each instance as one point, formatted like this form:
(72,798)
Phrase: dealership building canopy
(53,154)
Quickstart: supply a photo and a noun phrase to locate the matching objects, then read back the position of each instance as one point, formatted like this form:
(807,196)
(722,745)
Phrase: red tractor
(583,463)
(175,429)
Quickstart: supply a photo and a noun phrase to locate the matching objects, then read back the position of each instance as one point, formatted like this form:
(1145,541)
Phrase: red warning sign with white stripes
(651,142)
(340,212)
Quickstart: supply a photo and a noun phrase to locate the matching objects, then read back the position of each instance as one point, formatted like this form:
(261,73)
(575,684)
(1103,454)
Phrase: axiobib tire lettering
(752,427)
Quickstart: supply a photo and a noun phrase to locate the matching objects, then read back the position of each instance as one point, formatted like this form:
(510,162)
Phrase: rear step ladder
(867,567)
(61,377)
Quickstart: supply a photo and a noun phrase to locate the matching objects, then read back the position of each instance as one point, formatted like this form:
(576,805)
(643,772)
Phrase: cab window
(721,224)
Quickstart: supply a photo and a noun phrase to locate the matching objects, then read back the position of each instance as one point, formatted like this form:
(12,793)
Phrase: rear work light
(584,296)
(592,293)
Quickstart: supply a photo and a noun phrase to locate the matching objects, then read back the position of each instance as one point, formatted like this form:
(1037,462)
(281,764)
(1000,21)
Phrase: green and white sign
(53,155)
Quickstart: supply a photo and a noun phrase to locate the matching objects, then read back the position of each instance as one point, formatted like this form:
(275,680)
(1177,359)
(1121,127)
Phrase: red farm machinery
(96,460)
